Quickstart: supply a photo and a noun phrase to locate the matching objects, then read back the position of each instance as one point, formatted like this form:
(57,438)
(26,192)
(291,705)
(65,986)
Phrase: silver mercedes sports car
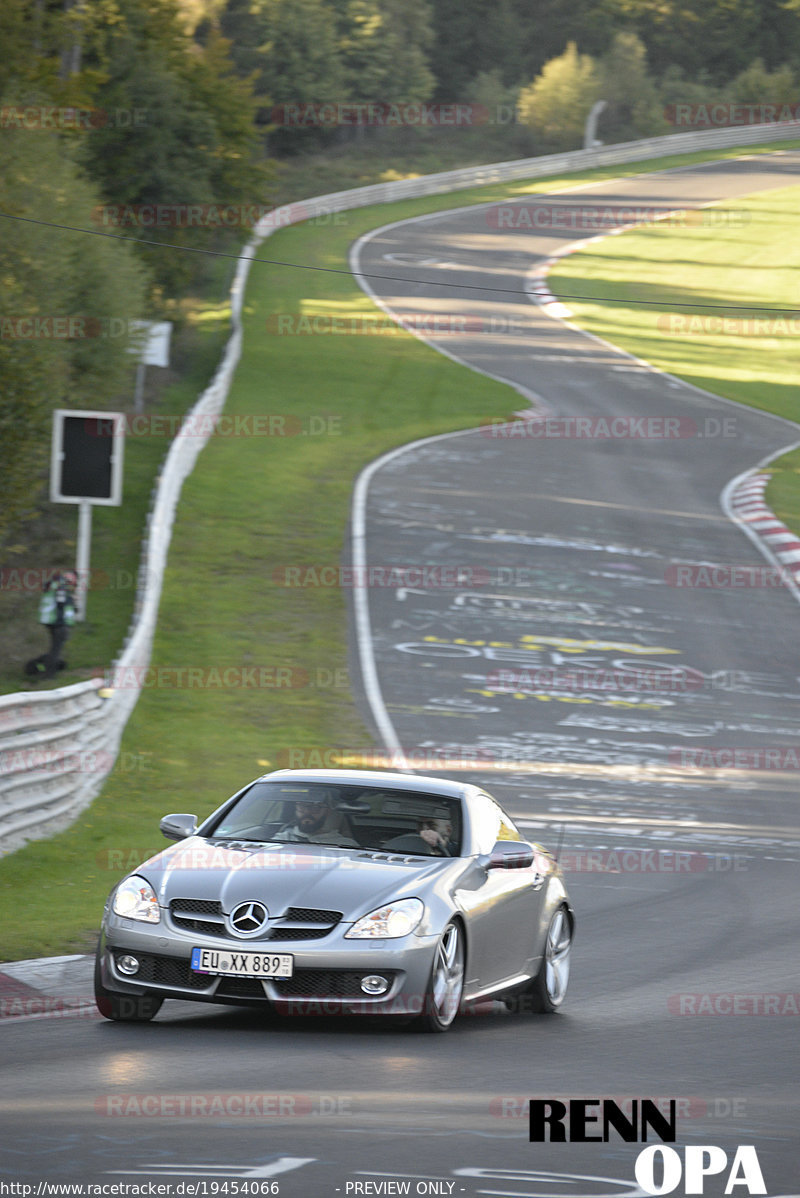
(334,891)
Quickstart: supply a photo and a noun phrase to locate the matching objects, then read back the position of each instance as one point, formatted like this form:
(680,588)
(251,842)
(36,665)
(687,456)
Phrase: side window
(508,831)
(486,823)
(491,824)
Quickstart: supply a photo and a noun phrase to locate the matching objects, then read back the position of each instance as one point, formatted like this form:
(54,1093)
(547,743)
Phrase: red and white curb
(47,987)
(748,506)
(536,286)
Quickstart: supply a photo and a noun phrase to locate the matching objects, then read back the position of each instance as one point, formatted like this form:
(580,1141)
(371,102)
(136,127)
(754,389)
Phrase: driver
(317,822)
(437,834)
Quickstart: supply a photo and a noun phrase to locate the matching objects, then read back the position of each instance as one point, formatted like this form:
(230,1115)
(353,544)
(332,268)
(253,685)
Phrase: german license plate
(250,965)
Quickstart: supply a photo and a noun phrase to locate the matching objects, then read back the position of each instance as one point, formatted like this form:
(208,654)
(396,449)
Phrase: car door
(503,908)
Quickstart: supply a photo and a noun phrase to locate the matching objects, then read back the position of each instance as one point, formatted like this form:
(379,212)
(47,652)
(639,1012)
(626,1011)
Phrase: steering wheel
(412,842)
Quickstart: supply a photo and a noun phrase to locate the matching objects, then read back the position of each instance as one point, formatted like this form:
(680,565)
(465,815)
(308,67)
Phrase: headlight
(136,899)
(389,922)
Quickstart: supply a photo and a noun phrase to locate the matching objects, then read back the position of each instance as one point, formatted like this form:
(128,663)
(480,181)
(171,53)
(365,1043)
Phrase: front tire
(548,989)
(446,985)
(123,1008)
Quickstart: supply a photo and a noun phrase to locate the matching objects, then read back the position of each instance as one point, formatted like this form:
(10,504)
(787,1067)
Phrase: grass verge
(254,505)
(750,259)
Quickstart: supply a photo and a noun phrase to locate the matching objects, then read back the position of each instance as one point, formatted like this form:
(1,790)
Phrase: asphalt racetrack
(555,661)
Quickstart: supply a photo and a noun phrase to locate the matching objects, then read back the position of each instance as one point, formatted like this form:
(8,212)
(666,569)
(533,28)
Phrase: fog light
(128,965)
(373,983)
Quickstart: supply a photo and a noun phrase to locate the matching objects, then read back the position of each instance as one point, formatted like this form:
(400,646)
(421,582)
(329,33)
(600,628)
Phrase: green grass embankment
(745,253)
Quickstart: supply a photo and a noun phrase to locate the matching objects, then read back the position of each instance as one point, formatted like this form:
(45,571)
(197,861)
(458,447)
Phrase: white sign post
(152,350)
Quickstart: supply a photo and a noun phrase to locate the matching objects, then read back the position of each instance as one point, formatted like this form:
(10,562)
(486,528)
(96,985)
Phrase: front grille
(305,923)
(312,915)
(297,923)
(279,932)
(188,914)
(322,983)
(196,906)
(200,925)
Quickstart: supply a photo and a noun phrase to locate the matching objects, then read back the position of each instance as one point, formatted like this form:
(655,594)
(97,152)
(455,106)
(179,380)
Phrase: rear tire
(446,985)
(123,1008)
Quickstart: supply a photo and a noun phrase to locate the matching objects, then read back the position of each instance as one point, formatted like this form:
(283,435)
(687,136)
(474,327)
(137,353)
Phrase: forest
(124,116)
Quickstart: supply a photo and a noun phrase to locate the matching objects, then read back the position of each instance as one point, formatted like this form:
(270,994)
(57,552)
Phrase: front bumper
(326,979)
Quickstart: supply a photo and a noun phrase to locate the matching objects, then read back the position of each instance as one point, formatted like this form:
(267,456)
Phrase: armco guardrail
(57,747)
(50,743)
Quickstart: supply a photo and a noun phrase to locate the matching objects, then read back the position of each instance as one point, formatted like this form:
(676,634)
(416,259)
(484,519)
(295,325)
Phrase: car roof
(377,779)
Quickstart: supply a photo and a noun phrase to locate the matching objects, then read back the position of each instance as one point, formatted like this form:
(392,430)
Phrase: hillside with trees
(110,109)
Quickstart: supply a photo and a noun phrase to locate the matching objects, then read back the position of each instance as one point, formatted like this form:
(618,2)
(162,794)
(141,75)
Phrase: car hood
(353,881)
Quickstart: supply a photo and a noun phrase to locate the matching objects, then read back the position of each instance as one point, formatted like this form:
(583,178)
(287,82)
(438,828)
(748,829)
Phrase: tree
(384,46)
(558,102)
(65,304)
(633,106)
(489,93)
(470,37)
(716,36)
(299,55)
(757,85)
(235,169)
(180,132)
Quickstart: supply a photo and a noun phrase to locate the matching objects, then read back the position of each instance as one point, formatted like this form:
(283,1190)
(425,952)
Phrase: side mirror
(511,854)
(178,827)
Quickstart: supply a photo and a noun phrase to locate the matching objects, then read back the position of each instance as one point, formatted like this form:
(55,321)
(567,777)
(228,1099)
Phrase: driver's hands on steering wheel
(435,841)
(293,834)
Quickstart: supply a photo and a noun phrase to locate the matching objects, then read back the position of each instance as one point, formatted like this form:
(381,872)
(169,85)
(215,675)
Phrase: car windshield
(395,821)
